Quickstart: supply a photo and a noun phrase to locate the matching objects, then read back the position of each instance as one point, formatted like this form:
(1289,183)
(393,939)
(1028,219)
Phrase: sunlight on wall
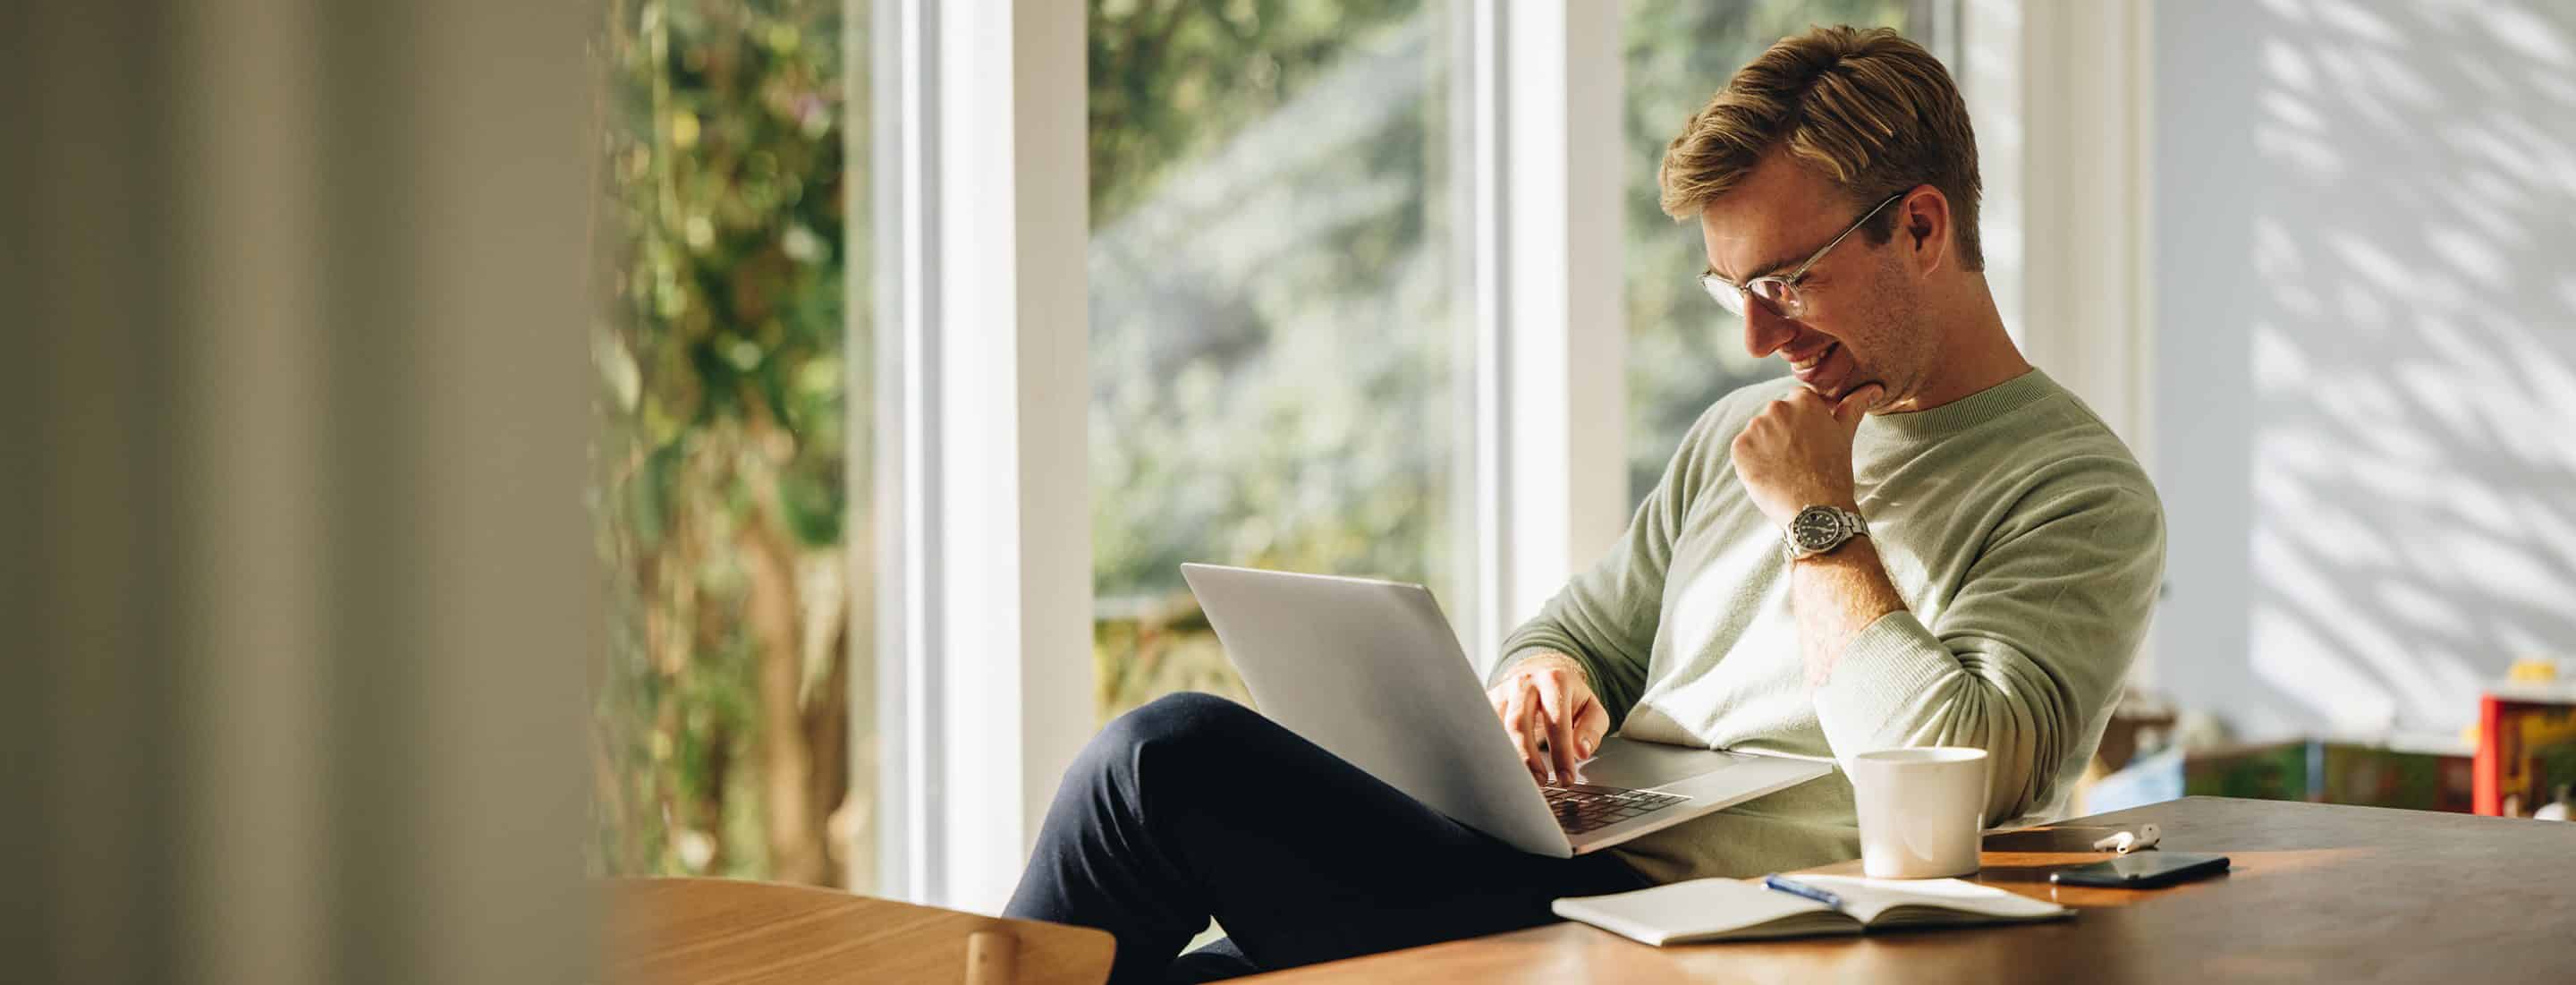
(2366,355)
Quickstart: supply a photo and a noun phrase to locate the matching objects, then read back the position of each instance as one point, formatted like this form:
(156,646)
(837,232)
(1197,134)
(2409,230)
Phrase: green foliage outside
(721,728)
(1269,275)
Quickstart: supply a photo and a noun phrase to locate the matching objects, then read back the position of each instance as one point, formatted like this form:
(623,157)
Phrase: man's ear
(1923,228)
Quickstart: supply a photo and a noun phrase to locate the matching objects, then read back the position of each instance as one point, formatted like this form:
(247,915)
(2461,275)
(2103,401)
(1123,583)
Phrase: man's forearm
(1835,596)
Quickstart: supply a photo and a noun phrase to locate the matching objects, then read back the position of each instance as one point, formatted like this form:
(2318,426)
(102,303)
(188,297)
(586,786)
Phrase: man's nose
(1764,331)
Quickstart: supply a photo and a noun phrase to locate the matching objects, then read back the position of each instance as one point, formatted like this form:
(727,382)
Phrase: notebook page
(1865,898)
(1698,909)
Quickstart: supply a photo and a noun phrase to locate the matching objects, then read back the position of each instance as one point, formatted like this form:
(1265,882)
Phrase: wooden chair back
(734,932)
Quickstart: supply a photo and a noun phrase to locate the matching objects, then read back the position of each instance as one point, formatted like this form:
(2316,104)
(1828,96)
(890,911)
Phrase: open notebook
(1730,909)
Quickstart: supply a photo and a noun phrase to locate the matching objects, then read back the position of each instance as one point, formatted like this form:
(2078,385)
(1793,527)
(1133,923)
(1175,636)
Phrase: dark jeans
(1195,807)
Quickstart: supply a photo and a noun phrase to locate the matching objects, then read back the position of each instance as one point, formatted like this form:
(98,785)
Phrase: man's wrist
(1855,555)
(1820,529)
(1529,659)
(1794,505)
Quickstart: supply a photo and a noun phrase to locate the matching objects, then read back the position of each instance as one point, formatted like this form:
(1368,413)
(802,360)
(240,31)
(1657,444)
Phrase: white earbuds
(2125,842)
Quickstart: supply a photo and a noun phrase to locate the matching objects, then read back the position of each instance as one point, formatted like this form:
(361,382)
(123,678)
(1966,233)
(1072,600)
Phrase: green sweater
(2025,540)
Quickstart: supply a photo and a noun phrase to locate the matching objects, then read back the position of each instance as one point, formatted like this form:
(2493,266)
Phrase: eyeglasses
(1779,292)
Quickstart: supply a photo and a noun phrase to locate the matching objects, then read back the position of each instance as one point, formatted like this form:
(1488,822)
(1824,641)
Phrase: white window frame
(984,636)
(1542,306)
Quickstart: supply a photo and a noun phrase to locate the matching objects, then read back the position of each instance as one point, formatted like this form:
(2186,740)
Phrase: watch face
(1816,528)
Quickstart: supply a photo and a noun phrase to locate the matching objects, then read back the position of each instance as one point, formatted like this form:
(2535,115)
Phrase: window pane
(722,727)
(1684,352)
(1270,278)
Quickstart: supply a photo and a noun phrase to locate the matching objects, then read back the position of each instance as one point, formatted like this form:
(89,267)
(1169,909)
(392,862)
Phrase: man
(1976,559)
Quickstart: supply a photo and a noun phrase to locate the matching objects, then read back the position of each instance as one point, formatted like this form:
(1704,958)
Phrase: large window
(1270,275)
(722,730)
(1283,373)
(1683,352)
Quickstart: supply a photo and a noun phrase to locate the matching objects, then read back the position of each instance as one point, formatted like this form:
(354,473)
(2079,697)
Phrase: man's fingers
(1559,725)
(1546,687)
(1516,723)
(1857,403)
(1590,724)
(1552,718)
(1534,731)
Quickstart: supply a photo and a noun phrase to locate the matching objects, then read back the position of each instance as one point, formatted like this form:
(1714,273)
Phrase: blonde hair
(1871,111)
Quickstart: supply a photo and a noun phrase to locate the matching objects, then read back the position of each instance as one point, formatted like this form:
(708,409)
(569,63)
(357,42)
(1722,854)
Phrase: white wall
(2365,357)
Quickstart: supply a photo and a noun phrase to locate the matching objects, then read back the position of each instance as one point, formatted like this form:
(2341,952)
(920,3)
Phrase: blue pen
(1796,888)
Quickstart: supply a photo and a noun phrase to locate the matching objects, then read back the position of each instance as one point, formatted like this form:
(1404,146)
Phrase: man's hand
(1548,699)
(1797,453)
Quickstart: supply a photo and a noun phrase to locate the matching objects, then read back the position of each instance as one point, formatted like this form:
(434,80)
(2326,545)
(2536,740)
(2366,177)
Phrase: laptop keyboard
(1582,807)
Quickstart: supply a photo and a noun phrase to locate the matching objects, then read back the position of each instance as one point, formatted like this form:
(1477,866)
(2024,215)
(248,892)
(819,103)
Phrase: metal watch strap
(1847,523)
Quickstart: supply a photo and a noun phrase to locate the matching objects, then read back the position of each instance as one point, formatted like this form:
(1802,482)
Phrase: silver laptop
(1370,671)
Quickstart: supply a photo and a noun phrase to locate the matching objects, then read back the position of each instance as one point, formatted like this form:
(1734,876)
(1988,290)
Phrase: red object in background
(2526,749)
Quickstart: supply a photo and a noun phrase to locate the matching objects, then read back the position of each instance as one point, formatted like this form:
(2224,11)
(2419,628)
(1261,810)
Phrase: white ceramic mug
(1920,810)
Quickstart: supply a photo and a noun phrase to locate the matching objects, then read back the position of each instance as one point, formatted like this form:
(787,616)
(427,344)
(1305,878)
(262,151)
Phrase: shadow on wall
(2412,357)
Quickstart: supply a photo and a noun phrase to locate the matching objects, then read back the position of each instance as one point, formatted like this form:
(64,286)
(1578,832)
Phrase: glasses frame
(1730,295)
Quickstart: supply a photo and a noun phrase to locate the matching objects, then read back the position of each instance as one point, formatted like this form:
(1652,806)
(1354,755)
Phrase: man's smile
(1810,358)
(1818,370)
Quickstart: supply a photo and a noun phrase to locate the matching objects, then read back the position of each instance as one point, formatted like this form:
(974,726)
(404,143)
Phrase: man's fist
(1797,453)
(1547,707)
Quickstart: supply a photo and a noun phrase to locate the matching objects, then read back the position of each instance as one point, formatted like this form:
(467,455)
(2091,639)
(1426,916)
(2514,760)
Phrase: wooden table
(2317,893)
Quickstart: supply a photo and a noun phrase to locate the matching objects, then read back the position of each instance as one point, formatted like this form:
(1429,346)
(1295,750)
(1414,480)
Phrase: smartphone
(2141,870)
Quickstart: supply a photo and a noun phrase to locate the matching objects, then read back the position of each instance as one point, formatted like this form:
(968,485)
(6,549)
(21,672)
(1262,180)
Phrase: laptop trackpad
(1640,765)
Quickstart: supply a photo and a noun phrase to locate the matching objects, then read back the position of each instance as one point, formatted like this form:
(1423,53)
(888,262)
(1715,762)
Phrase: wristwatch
(1819,530)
